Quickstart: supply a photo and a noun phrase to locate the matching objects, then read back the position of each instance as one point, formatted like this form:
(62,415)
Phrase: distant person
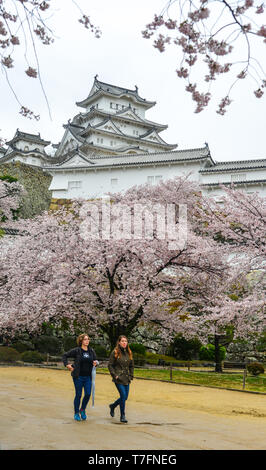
(81,371)
(121,368)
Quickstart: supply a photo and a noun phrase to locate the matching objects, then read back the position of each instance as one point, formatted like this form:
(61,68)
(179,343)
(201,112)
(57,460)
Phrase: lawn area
(208,379)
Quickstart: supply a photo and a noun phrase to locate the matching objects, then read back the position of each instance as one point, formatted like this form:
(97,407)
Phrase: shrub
(69,342)
(184,349)
(139,359)
(22,346)
(32,356)
(48,344)
(255,368)
(138,348)
(152,358)
(99,350)
(8,354)
(207,353)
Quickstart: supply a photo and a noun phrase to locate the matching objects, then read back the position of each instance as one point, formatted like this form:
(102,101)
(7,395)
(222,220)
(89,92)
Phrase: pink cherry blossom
(58,270)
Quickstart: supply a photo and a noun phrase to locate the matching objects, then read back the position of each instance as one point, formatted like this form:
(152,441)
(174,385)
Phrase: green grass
(227,380)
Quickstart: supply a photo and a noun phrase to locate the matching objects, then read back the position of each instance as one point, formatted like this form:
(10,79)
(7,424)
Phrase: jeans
(123,391)
(80,383)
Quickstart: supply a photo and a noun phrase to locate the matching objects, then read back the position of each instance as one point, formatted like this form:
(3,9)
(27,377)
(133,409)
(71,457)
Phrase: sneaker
(77,417)
(83,415)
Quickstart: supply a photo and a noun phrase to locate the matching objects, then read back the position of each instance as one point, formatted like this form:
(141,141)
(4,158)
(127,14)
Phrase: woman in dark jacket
(121,368)
(84,360)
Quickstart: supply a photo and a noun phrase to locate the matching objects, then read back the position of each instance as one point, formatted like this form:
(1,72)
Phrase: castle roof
(126,114)
(236,166)
(101,88)
(29,137)
(79,132)
(101,161)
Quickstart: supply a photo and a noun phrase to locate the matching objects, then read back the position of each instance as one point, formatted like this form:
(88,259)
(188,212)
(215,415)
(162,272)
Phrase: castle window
(74,184)
(114,182)
(238,177)
(111,105)
(154,179)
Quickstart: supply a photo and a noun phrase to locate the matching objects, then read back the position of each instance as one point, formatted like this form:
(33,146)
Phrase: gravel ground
(37,414)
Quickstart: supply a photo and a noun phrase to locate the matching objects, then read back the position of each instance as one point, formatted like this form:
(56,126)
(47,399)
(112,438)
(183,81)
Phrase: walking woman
(81,371)
(121,368)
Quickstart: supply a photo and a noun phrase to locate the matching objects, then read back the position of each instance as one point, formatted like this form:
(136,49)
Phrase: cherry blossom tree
(239,220)
(209,305)
(213,39)
(23,23)
(10,195)
(71,266)
(57,271)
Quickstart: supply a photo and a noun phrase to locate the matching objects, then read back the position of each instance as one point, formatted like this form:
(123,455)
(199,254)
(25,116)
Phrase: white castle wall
(92,184)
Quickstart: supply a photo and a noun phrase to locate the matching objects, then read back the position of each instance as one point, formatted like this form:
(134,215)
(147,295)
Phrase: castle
(110,146)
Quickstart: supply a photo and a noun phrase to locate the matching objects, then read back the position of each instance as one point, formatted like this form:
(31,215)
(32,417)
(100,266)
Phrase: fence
(235,366)
(197,367)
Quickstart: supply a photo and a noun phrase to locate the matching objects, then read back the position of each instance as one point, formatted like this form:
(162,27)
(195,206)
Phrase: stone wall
(36,182)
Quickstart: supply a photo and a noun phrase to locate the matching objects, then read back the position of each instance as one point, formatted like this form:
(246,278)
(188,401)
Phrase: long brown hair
(117,349)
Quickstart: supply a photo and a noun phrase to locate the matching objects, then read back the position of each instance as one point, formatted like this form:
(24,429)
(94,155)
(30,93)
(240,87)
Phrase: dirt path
(37,413)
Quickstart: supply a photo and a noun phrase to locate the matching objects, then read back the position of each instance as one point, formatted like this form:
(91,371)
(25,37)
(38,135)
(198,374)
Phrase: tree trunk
(113,333)
(218,362)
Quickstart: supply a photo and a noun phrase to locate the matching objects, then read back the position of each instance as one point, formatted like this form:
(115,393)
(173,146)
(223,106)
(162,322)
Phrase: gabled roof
(176,156)
(29,137)
(260,182)
(71,155)
(101,124)
(153,133)
(137,139)
(74,131)
(101,88)
(235,166)
(136,117)
(118,133)
(12,152)
(120,115)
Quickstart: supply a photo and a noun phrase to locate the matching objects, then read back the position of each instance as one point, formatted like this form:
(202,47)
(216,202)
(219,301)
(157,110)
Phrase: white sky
(122,57)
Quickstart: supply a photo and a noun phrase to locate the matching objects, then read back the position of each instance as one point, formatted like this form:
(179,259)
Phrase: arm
(72,353)
(131,369)
(111,365)
(94,358)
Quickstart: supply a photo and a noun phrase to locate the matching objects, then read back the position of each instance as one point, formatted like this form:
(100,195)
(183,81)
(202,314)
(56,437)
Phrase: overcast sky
(122,57)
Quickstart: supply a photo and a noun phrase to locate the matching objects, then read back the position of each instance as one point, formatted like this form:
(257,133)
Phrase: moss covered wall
(59,203)
(36,182)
